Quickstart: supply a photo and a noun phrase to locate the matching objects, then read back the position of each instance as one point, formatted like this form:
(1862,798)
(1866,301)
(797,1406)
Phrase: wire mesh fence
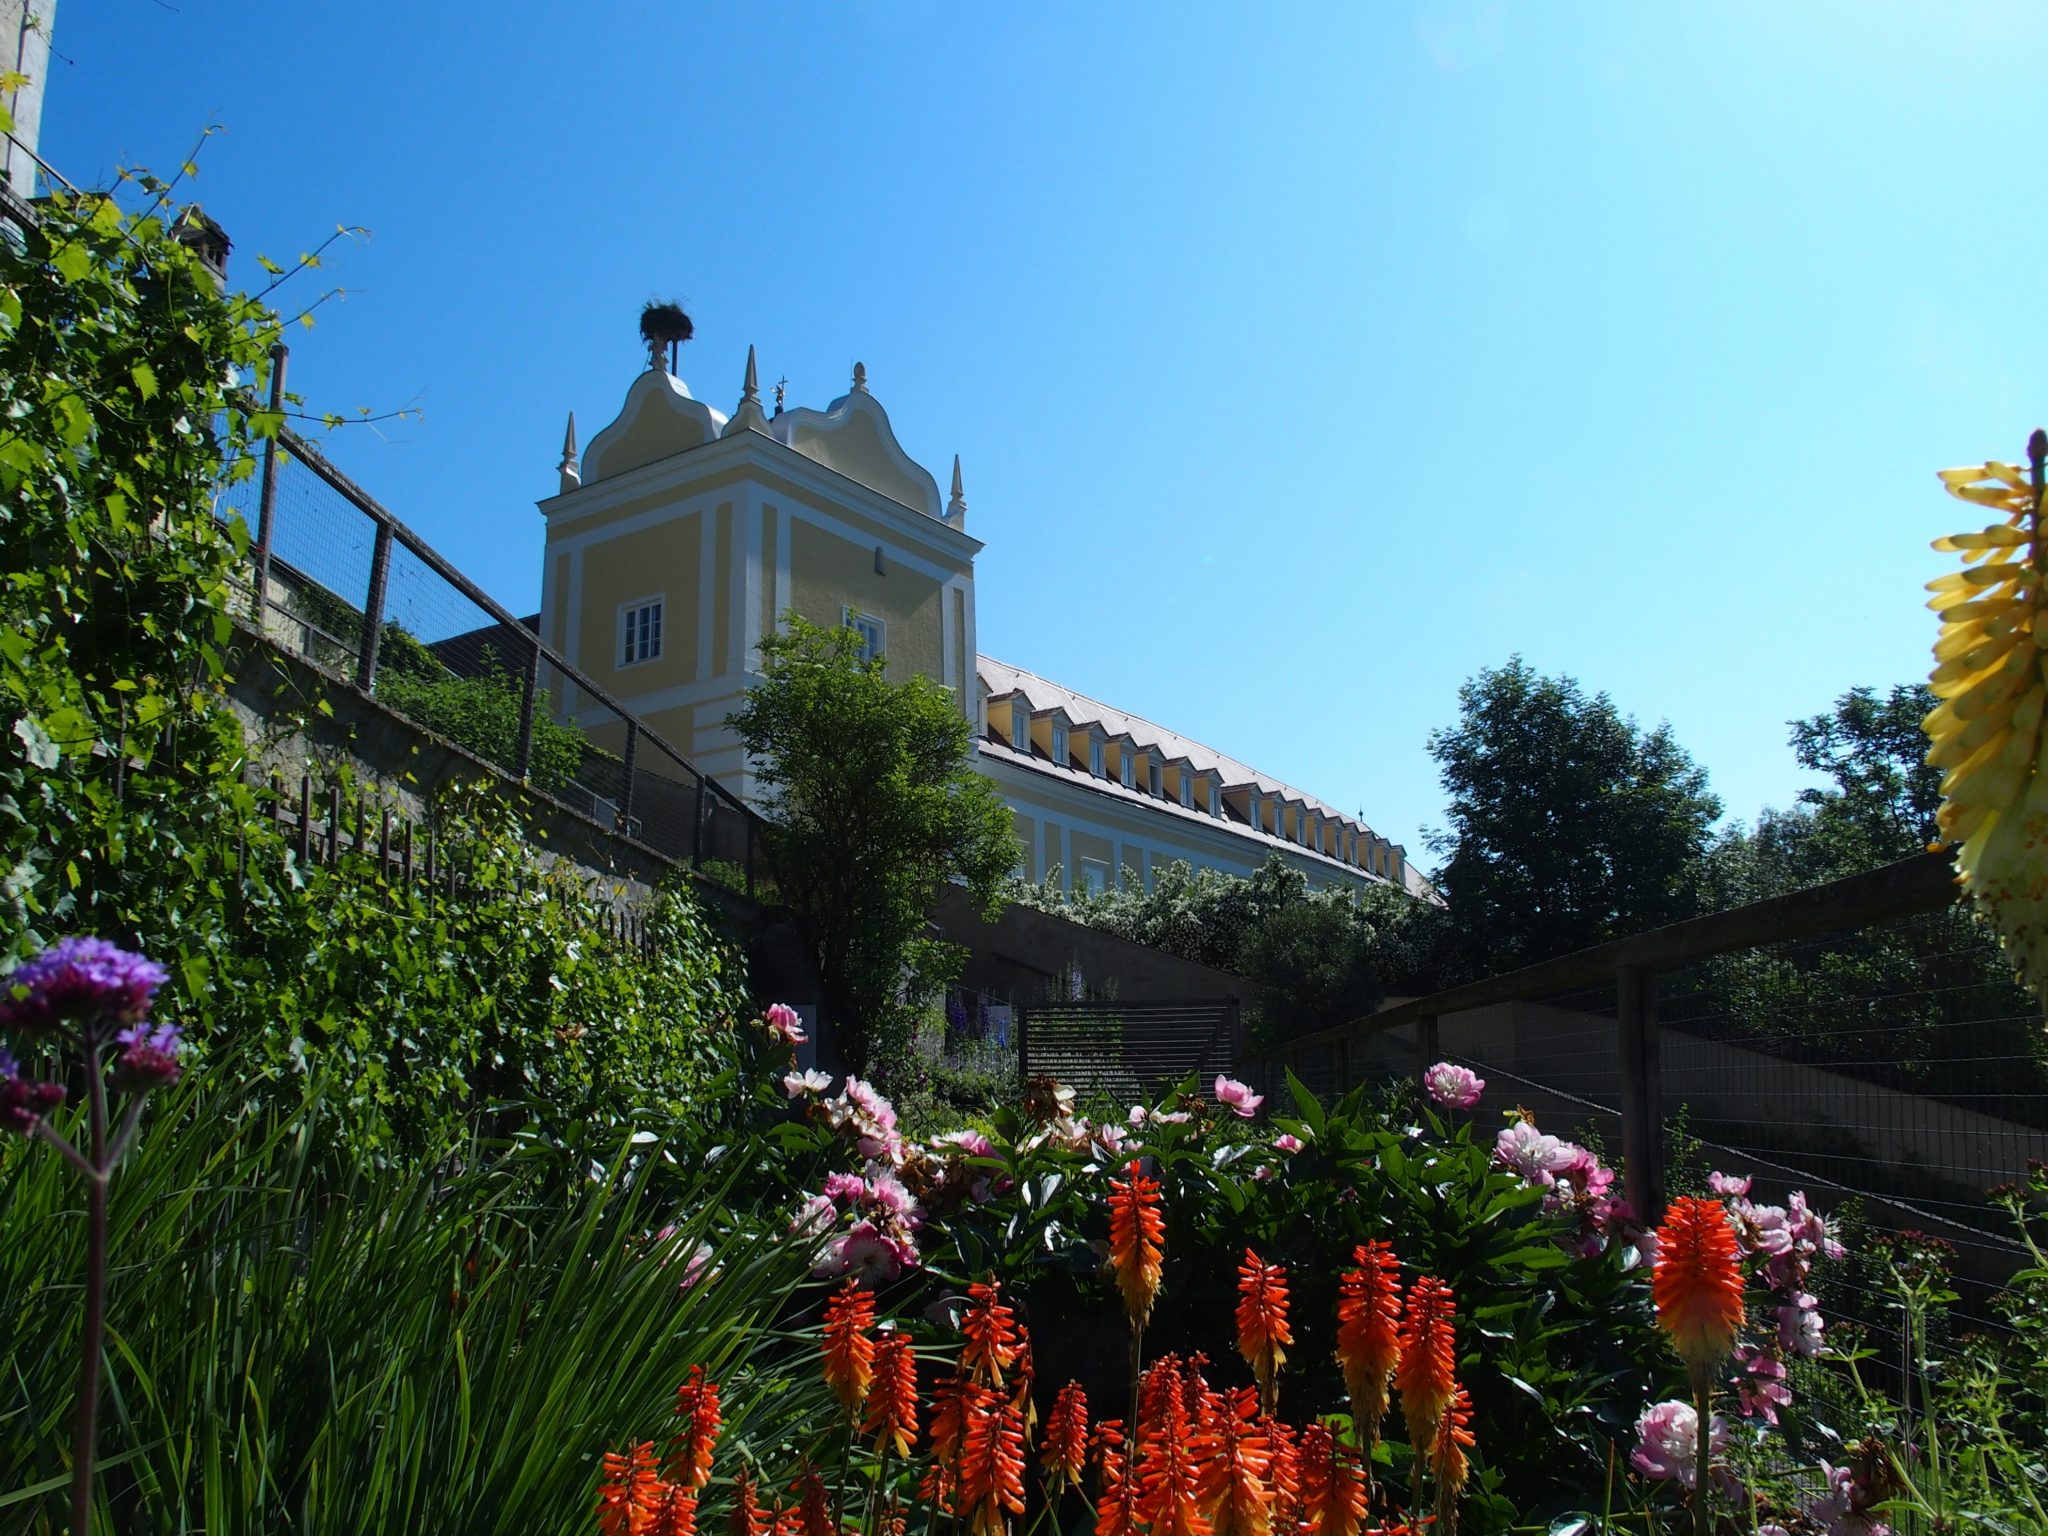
(338,581)
(1878,1056)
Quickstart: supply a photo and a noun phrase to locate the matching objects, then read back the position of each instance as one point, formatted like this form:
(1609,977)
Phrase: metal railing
(340,581)
(1863,1039)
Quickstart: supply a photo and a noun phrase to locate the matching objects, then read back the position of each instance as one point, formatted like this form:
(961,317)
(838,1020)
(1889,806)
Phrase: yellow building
(683,534)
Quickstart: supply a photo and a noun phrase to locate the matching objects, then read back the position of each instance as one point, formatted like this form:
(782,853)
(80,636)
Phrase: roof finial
(860,378)
(781,389)
(572,476)
(956,508)
(746,416)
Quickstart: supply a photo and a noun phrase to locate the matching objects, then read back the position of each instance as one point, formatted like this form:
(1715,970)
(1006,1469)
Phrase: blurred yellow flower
(1991,675)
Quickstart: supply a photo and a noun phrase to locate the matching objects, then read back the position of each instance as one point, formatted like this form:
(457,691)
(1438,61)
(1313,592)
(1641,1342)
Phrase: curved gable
(853,436)
(659,418)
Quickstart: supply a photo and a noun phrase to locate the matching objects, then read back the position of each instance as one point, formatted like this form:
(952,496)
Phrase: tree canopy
(1568,824)
(873,807)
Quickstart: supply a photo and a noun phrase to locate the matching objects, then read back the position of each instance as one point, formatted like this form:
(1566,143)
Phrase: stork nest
(666,324)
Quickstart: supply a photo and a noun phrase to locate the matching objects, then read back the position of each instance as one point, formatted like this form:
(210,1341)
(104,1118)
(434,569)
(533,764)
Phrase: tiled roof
(1001,680)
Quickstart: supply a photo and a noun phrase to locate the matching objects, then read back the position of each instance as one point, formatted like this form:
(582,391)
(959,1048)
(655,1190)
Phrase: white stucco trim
(707,587)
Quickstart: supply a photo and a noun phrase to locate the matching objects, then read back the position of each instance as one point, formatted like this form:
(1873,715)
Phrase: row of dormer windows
(1146,770)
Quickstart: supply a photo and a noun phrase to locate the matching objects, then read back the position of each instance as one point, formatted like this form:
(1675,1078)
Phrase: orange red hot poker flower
(1426,1376)
(892,1401)
(1137,1242)
(690,1452)
(1698,1282)
(993,1339)
(1369,1334)
(1063,1452)
(1262,1331)
(849,1351)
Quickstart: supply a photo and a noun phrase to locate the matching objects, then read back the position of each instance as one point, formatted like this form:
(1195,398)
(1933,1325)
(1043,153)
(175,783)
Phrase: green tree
(1569,824)
(873,807)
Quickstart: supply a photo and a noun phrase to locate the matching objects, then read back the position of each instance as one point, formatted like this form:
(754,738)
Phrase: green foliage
(873,806)
(481,712)
(1920,1005)
(1314,957)
(305,1343)
(435,1010)
(1568,824)
(116,354)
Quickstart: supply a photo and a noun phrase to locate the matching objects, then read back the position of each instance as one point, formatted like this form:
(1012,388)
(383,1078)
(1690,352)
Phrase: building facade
(681,535)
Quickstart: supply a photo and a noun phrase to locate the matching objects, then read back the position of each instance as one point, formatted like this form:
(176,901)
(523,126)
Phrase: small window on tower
(640,631)
(870,630)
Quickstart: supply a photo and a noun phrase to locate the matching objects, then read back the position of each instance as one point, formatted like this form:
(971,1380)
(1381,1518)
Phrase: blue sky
(1304,360)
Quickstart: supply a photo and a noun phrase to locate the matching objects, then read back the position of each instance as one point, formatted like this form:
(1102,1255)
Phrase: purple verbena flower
(149,1057)
(79,980)
(23,1103)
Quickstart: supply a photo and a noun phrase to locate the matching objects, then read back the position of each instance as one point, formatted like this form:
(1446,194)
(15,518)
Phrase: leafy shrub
(481,712)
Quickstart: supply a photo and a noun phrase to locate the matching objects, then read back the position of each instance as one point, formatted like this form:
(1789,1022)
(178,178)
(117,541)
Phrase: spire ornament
(860,378)
(747,415)
(568,469)
(956,506)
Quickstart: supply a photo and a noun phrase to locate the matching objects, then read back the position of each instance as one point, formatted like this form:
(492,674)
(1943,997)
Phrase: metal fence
(338,580)
(1862,1040)
(1129,1051)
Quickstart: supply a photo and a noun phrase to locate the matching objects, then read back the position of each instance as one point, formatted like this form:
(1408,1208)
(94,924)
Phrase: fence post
(697,825)
(373,608)
(266,501)
(1428,1045)
(1642,1107)
(526,706)
(632,757)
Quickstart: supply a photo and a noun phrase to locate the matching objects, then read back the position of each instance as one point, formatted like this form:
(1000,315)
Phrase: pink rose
(1453,1087)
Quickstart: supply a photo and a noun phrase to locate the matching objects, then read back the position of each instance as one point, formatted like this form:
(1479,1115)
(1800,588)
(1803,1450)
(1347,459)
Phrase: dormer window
(1187,789)
(639,631)
(1059,744)
(1251,811)
(1130,767)
(1020,726)
(1215,797)
(1096,751)
(1155,773)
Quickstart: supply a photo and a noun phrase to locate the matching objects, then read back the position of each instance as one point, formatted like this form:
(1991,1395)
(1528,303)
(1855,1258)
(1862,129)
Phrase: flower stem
(1703,1451)
(85,1430)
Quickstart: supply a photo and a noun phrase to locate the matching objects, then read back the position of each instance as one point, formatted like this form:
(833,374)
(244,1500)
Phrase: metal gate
(1130,1052)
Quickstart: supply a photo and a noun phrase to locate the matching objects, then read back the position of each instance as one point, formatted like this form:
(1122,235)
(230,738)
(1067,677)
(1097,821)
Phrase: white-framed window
(1059,744)
(1215,797)
(1130,766)
(1187,789)
(873,632)
(1096,751)
(1251,810)
(1094,876)
(1020,725)
(639,631)
(1155,775)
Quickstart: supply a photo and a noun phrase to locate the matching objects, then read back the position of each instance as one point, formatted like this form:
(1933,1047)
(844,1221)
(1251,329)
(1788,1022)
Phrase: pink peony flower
(785,1024)
(1667,1446)
(1288,1143)
(1535,1156)
(869,1255)
(1239,1096)
(1762,1391)
(815,1217)
(971,1143)
(1845,1509)
(1453,1087)
(1726,1184)
(850,1187)
(797,1084)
